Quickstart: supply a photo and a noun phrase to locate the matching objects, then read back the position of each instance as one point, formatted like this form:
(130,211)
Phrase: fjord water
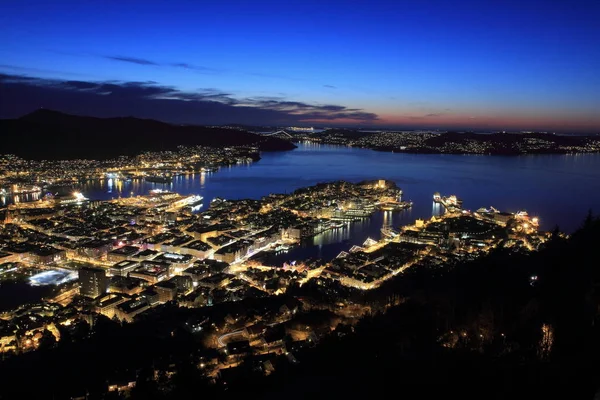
(559,189)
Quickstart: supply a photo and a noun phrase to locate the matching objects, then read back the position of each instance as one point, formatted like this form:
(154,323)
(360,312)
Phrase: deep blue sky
(486,64)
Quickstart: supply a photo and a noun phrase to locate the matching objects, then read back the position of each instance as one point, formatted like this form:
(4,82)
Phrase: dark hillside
(46,134)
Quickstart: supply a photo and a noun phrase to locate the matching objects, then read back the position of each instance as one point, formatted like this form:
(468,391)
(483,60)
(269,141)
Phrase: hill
(47,134)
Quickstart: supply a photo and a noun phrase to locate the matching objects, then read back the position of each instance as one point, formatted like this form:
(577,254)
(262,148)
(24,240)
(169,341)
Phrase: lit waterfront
(480,180)
(561,188)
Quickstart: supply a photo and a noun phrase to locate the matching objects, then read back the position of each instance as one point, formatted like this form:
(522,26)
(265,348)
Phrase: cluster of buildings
(124,257)
(398,140)
(338,201)
(130,254)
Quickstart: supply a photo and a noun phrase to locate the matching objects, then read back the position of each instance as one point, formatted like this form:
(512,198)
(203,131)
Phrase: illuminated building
(151,271)
(108,304)
(47,255)
(122,253)
(92,282)
(127,310)
(125,285)
(166,290)
(123,268)
(97,249)
(233,252)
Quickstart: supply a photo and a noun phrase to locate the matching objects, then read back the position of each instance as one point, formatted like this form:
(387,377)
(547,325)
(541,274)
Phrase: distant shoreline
(507,154)
(459,143)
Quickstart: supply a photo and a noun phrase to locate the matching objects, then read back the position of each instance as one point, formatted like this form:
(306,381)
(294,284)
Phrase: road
(227,336)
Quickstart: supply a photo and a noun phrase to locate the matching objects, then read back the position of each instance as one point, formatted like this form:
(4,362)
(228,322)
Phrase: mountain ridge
(51,134)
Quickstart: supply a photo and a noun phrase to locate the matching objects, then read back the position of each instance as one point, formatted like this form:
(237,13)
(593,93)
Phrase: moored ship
(25,189)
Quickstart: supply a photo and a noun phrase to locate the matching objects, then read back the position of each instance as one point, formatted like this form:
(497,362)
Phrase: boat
(25,189)
(195,203)
(196,200)
(389,232)
(70,198)
(396,206)
(282,248)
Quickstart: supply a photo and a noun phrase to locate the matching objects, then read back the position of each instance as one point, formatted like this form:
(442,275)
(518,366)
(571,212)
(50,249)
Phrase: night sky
(485,64)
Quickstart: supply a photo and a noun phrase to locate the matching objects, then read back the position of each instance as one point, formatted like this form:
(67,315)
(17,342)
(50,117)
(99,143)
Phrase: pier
(450,203)
(395,205)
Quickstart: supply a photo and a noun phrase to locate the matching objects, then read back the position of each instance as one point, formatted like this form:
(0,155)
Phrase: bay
(559,189)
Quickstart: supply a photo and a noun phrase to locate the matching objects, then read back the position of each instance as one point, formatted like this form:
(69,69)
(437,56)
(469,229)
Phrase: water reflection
(22,198)
(388,219)
(327,245)
(334,235)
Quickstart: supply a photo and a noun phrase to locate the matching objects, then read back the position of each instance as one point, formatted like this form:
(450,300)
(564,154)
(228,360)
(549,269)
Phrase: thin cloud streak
(151,100)
(430,115)
(200,68)
(132,60)
(195,67)
(146,62)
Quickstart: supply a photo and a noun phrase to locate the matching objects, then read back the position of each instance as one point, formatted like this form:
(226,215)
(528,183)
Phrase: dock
(451,203)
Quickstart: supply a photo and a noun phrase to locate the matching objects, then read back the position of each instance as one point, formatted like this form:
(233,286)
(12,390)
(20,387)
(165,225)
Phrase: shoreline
(457,153)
